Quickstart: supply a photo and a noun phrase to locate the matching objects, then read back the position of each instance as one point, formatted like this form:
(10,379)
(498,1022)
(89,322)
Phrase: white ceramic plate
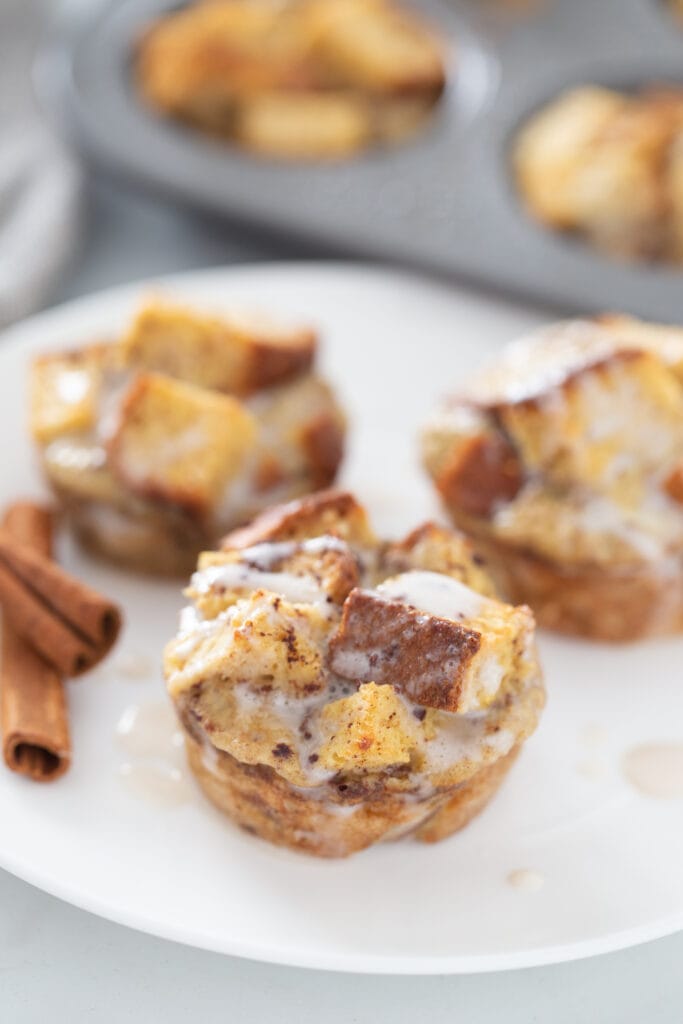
(609,858)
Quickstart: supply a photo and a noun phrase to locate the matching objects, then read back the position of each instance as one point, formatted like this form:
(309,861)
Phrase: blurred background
(67,229)
(528,147)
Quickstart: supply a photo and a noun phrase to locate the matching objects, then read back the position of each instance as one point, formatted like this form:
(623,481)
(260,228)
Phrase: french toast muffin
(336,691)
(564,460)
(186,426)
(294,79)
(608,167)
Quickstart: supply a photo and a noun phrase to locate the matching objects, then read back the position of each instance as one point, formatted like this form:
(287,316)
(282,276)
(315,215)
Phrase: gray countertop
(63,964)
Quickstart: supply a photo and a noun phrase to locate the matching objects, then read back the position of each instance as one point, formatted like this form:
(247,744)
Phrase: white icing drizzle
(194,629)
(238,576)
(268,553)
(464,738)
(542,361)
(73,385)
(155,770)
(435,594)
(252,571)
(75,454)
(292,713)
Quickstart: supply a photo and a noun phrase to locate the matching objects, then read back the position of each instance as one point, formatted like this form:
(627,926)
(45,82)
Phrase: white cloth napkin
(40,216)
(40,182)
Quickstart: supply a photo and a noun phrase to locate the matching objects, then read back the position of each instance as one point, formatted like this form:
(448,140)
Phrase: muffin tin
(444,201)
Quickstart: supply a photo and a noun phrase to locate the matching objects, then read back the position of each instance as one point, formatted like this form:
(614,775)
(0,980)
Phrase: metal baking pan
(443,201)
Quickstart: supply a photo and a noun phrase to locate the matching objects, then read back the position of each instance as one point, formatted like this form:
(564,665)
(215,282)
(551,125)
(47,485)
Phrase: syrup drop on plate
(593,737)
(655,769)
(135,666)
(155,770)
(526,879)
(156,783)
(149,730)
(593,768)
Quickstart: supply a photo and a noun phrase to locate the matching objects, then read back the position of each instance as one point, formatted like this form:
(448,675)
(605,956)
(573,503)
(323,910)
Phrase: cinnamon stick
(33,712)
(68,623)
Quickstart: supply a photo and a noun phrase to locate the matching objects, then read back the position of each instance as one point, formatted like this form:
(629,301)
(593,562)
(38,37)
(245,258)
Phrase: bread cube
(435,548)
(301,573)
(436,641)
(334,512)
(65,392)
(232,354)
(369,730)
(263,640)
(180,444)
(303,125)
(606,425)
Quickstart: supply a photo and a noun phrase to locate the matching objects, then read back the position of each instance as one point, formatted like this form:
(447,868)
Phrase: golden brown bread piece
(179,443)
(303,126)
(482,472)
(185,427)
(234,354)
(435,548)
(592,412)
(330,511)
(311,717)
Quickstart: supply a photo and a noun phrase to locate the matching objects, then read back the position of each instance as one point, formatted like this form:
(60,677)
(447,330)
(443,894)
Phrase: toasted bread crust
(409,641)
(271,364)
(481,472)
(221,354)
(323,443)
(674,484)
(303,518)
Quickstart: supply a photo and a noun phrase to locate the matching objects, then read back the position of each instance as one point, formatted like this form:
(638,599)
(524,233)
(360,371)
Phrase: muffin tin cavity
(300,80)
(606,165)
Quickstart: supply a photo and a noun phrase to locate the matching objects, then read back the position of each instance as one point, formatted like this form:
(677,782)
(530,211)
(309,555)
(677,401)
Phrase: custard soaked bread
(299,79)
(565,460)
(185,427)
(336,690)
